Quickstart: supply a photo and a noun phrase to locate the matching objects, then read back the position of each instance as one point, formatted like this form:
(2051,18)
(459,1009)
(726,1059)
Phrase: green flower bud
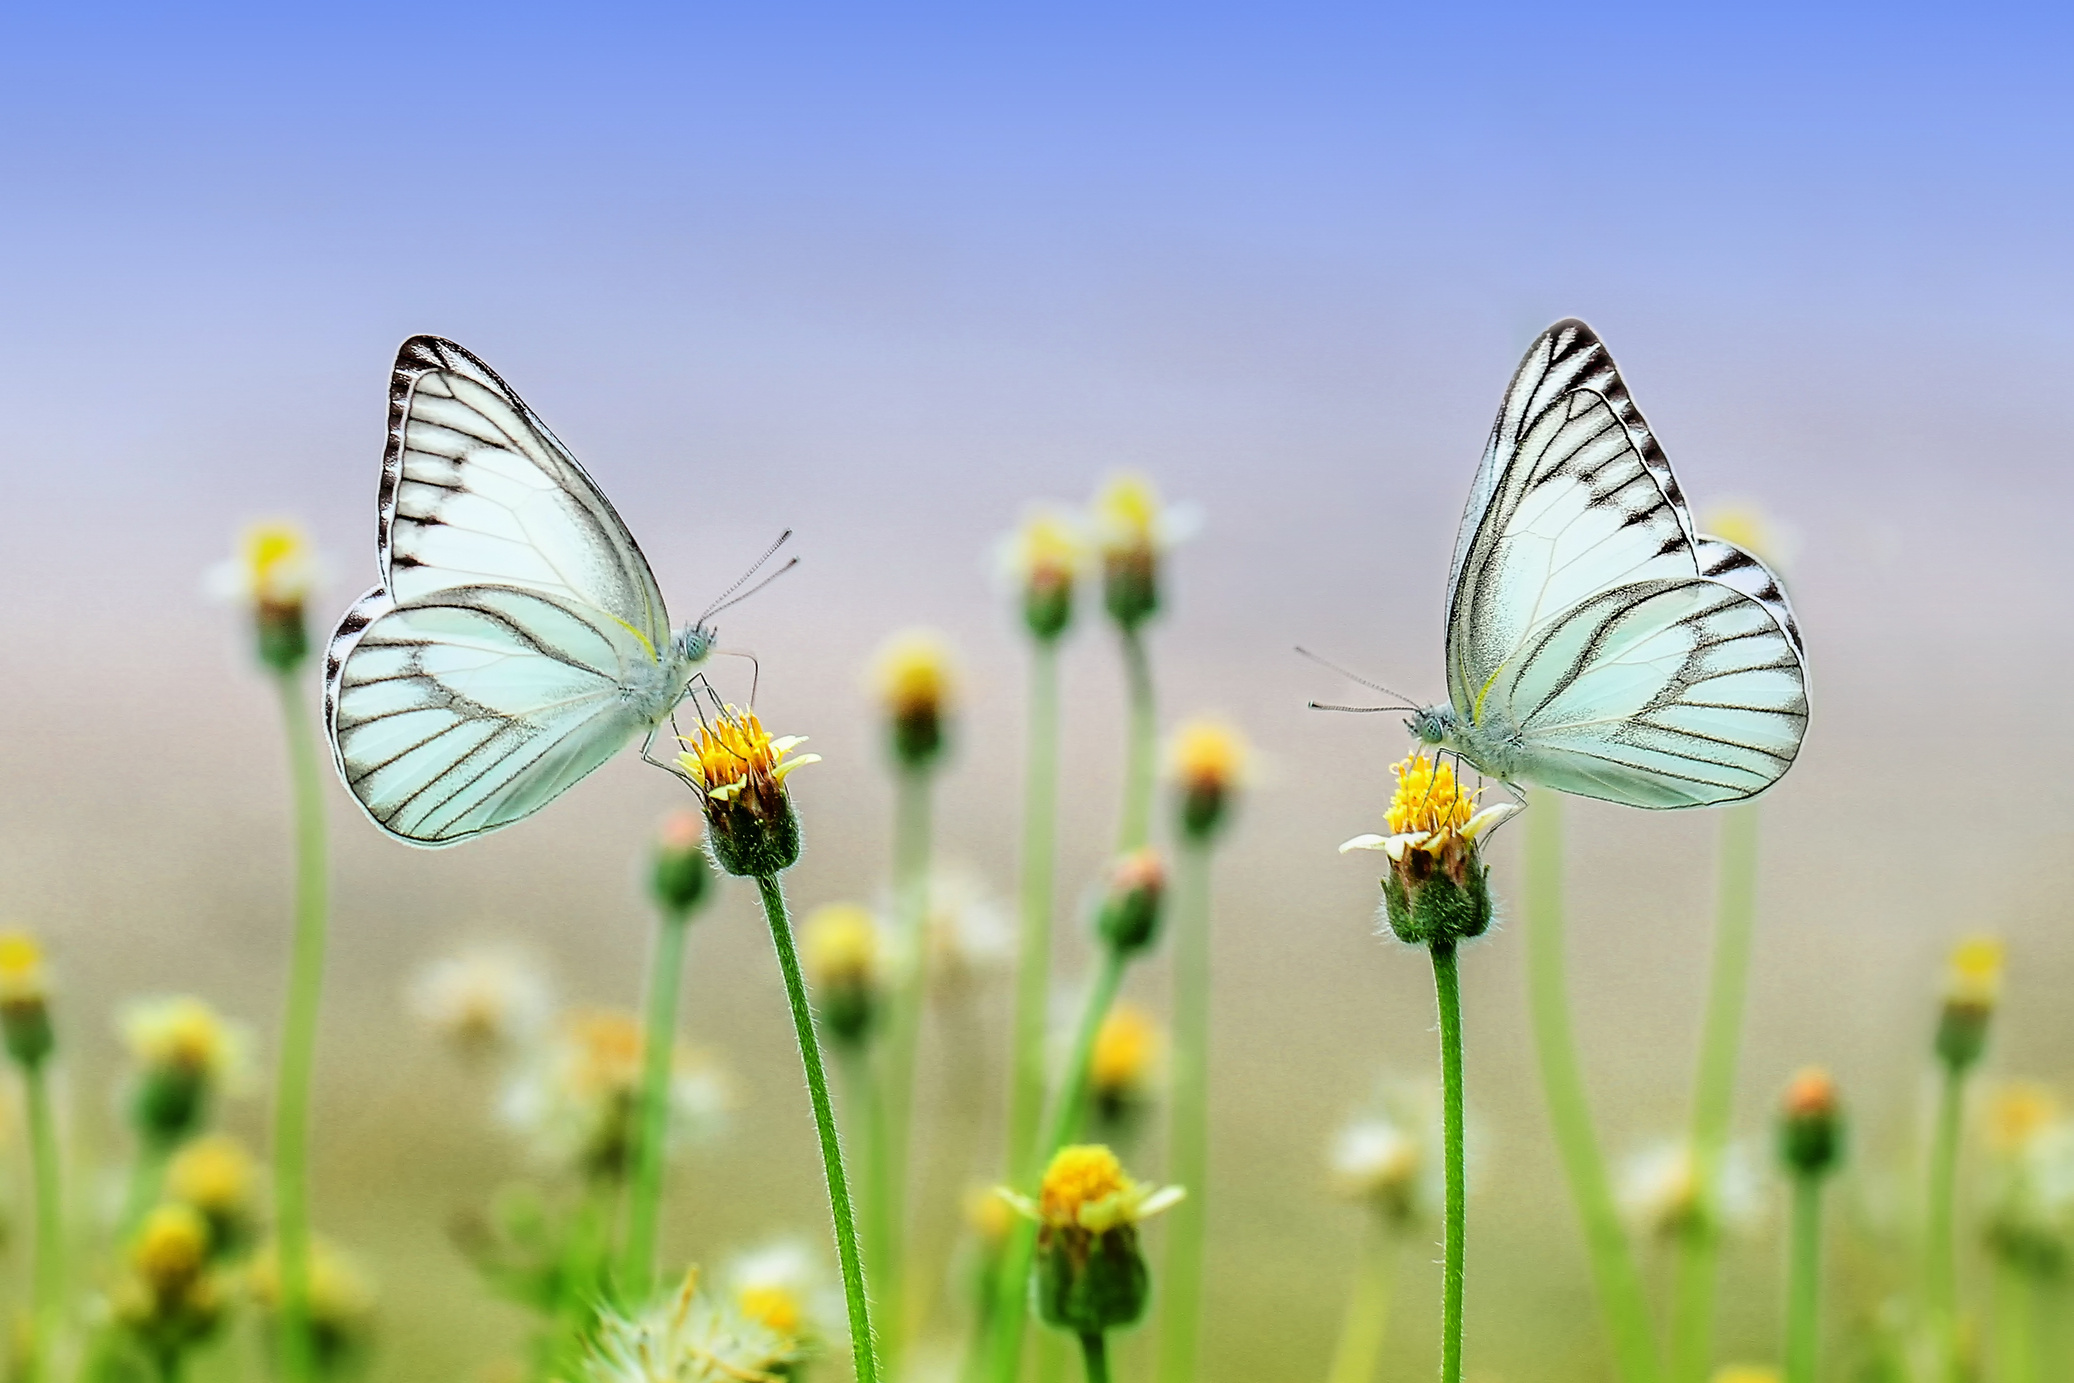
(681,875)
(1438,888)
(1811,1125)
(24,1000)
(914,679)
(1129,917)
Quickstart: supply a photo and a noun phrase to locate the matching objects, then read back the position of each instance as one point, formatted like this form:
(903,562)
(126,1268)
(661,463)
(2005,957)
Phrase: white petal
(1395,846)
(1362,843)
(1487,818)
(1166,1198)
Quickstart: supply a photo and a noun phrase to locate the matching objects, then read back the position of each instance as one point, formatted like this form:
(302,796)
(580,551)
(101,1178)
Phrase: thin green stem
(1011,1303)
(1447,988)
(1039,862)
(1094,1347)
(299,1033)
(1941,1260)
(1368,1311)
(50,1236)
(651,1148)
(1804,1282)
(911,829)
(1188,1142)
(863,1344)
(2016,1325)
(147,1176)
(1619,1285)
(878,1165)
(1134,829)
(1713,1103)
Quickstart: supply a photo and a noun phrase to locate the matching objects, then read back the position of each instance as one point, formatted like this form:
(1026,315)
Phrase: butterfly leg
(648,758)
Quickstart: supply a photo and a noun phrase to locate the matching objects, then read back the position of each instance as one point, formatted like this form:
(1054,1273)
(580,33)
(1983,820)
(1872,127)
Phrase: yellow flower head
(735,759)
(1975,977)
(1428,800)
(23,977)
(989,1214)
(342,1299)
(842,946)
(215,1175)
(774,1307)
(171,1248)
(1127,1047)
(183,1034)
(602,1053)
(1209,755)
(913,674)
(1086,1188)
(777,1286)
(276,565)
(2018,1114)
(1811,1094)
(1127,515)
(1047,552)
(1749,528)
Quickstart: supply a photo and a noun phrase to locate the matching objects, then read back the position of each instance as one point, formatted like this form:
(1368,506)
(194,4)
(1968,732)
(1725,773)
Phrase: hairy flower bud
(1129,918)
(1811,1124)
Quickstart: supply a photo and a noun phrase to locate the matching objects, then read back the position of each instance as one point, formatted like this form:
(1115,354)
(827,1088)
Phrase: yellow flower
(23,977)
(989,1215)
(1132,530)
(778,1286)
(170,1248)
(275,566)
(341,1301)
(215,1175)
(739,772)
(916,683)
(2018,1113)
(1043,558)
(1085,1187)
(842,945)
(1208,759)
(184,1034)
(1975,978)
(1127,1047)
(1437,890)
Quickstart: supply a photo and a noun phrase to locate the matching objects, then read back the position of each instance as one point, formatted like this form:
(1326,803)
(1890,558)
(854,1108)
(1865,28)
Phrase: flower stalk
(1367,1321)
(1972,991)
(1811,1137)
(1692,1311)
(1614,1274)
(1447,987)
(1034,923)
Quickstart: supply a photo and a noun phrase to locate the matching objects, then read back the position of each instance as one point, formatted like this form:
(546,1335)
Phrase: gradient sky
(883,273)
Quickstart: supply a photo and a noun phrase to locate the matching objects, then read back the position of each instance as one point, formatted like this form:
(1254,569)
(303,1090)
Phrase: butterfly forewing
(1628,657)
(476,489)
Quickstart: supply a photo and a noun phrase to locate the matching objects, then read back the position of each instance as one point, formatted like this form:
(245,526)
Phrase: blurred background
(882,275)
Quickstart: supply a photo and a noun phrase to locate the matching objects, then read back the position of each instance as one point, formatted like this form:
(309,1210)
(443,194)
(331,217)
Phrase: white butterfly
(518,639)
(1596,643)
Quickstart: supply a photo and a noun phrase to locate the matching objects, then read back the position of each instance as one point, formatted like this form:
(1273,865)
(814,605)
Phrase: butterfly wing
(1633,658)
(465,709)
(476,490)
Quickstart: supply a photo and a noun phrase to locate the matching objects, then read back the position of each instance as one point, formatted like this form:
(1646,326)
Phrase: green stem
(1941,1263)
(2016,1327)
(147,1176)
(1619,1286)
(651,1150)
(50,1241)
(903,1043)
(1033,960)
(863,1345)
(1135,828)
(1188,1143)
(1012,1300)
(1713,1104)
(1804,1281)
(1447,988)
(878,1166)
(299,1034)
(1094,1347)
(1368,1312)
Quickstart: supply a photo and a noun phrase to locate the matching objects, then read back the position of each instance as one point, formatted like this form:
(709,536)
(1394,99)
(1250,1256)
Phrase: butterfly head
(1431,725)
(694,642)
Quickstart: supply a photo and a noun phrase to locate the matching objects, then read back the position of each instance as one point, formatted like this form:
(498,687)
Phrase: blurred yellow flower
(781,1286)
(1208,759)
(1047,551)
(1975,976)
(275,567)
(989,1215)
(2017,1113)
(170,1248)
(1085,1187)
(183,1033)
(687,1338)
(842,945)
(1127,1049)
(1750,528)
(215,1175)
(23,976)
(577,1096)
(482,1000)
(913,674)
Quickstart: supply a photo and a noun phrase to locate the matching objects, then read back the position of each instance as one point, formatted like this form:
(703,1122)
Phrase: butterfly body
(1598,643)
(518,638)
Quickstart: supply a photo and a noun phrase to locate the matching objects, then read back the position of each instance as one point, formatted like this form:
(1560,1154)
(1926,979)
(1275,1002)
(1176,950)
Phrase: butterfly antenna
(1353,676)
(726,604)
(722,601)
(1359,710)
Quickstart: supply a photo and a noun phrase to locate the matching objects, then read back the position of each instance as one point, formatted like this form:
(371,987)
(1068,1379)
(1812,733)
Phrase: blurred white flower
(969,935)
(1389,1156)
(687,1338)
(784,1285)
(1660,1189)
(482,1001)
(576,1097)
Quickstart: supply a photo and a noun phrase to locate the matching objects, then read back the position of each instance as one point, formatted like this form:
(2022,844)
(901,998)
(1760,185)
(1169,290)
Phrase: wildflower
(1209,764)
(681,872)
(216,1177)
(964,929)
(1745,1373)
(341,1300)
(1129,917)
(24,999)
(272,574)
(687,1338)
(1438,887)
(1121,1068)
(1661,1191)
(2018,1113)
(580,1096)
(989,1216)
(916,684)
(482,1001)
(1973,985)
(1377,1161)
(1133,531)
(168,1298)
(842,947)
(1091,1277)
(185,1053)
(781,1286)
(2030,1225)
(1811,1128)
(1750,528)
(739,773)
(1044,558)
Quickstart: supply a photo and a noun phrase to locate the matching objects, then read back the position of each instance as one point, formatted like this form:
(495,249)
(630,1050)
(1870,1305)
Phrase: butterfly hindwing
(465,709)
(476,490)
(1627,656)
